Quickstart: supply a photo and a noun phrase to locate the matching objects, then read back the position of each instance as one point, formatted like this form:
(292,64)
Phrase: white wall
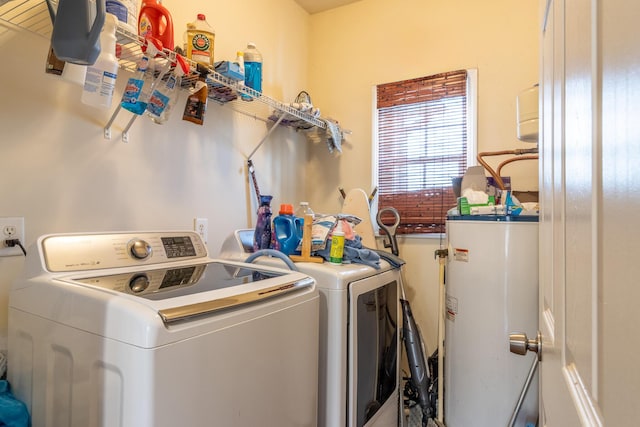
(355,47)
(61,175)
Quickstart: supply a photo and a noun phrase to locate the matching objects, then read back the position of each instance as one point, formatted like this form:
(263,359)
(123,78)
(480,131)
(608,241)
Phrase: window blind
(422,144)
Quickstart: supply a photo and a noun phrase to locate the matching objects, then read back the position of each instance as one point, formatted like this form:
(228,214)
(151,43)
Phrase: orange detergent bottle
(155,21)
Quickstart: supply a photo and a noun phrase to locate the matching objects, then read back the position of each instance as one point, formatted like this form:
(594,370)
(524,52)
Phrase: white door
(590,199)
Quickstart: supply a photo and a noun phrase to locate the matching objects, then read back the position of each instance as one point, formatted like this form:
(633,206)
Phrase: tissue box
(229,69)
(465,208)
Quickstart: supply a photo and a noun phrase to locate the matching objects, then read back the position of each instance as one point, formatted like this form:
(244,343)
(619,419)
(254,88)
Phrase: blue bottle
(252,70)
(262,234)
(286,230)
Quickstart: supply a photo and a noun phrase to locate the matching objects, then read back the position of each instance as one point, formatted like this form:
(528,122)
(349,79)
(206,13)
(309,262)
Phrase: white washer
(145,330)
(359,337)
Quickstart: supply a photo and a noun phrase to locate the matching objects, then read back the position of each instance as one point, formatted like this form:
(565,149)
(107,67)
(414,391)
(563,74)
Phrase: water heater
(491,291)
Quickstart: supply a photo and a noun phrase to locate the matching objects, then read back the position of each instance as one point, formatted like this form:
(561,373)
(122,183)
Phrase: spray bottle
(100,78)
(140,86)
(165,96)
(337,244)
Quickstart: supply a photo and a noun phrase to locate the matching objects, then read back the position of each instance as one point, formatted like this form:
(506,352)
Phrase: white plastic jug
(76,32)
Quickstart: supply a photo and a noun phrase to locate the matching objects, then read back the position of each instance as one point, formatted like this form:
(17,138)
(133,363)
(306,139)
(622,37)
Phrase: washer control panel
(84,252)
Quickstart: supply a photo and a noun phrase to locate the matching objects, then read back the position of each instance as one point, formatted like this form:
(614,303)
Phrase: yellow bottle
(200,40)
(337,244)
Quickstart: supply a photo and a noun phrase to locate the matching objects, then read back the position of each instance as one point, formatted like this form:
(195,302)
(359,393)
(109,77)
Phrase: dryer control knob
(139,249)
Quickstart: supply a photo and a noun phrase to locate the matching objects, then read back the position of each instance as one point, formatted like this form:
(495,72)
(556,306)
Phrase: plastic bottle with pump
(165,95)
(252,70)
(337,244)
(285,228)
(140,86)
(100,78)
(200,38)
(155,21)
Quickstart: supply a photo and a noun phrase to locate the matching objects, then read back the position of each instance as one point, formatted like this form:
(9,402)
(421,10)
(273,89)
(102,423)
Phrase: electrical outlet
(201,226)
(11,228)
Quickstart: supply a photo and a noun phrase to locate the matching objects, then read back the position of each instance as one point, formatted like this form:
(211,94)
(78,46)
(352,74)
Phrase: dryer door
(373,350)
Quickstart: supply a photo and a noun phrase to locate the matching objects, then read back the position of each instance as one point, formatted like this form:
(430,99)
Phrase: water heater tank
(527,111)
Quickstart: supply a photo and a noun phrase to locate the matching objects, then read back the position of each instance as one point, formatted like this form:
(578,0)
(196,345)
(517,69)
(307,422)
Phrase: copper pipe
(514,159)
(494,174)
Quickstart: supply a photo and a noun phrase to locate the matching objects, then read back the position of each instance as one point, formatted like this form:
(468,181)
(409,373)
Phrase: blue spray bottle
(140,86)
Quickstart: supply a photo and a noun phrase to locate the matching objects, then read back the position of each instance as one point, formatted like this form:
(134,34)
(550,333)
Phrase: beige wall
(61,175)
(355,47)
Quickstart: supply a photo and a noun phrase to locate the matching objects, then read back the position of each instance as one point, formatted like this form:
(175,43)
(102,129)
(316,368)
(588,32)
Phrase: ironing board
(356,202)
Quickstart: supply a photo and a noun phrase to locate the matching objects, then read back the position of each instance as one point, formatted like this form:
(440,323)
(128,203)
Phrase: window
(423,129)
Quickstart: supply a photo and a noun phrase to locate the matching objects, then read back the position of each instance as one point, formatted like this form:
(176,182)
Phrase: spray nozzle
(182,66)
(152,46)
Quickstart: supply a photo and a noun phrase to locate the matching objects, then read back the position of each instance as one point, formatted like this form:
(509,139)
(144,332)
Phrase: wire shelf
(33,16)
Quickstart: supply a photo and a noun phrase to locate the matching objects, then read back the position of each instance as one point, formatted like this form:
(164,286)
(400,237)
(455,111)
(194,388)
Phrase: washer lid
(189,290)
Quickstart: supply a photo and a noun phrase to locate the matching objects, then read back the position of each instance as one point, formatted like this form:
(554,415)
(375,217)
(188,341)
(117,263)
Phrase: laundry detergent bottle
(252,70)
(155,21)
(284,226)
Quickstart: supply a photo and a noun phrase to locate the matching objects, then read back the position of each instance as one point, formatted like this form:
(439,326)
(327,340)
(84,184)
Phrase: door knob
(519,344)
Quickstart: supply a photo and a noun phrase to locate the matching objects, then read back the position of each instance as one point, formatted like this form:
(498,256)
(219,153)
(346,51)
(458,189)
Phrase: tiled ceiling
(315,6)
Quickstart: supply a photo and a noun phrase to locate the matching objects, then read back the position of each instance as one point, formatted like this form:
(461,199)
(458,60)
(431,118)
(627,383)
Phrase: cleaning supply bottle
(196,104)
(140,86)
(284,226)
(165,95)
(337,244)
(252,70)
(155,21)
(240,62)
(262,234)
(126,11)
(303,209)
(200,40)
(77,24)
(100,78)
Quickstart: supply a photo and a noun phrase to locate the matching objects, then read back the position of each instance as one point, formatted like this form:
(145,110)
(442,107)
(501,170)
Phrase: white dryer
(145,330)
(360,315)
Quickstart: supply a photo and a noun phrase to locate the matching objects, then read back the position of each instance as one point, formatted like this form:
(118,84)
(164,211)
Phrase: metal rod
(125,132)
(107,127)
(266,136)
(523,393)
